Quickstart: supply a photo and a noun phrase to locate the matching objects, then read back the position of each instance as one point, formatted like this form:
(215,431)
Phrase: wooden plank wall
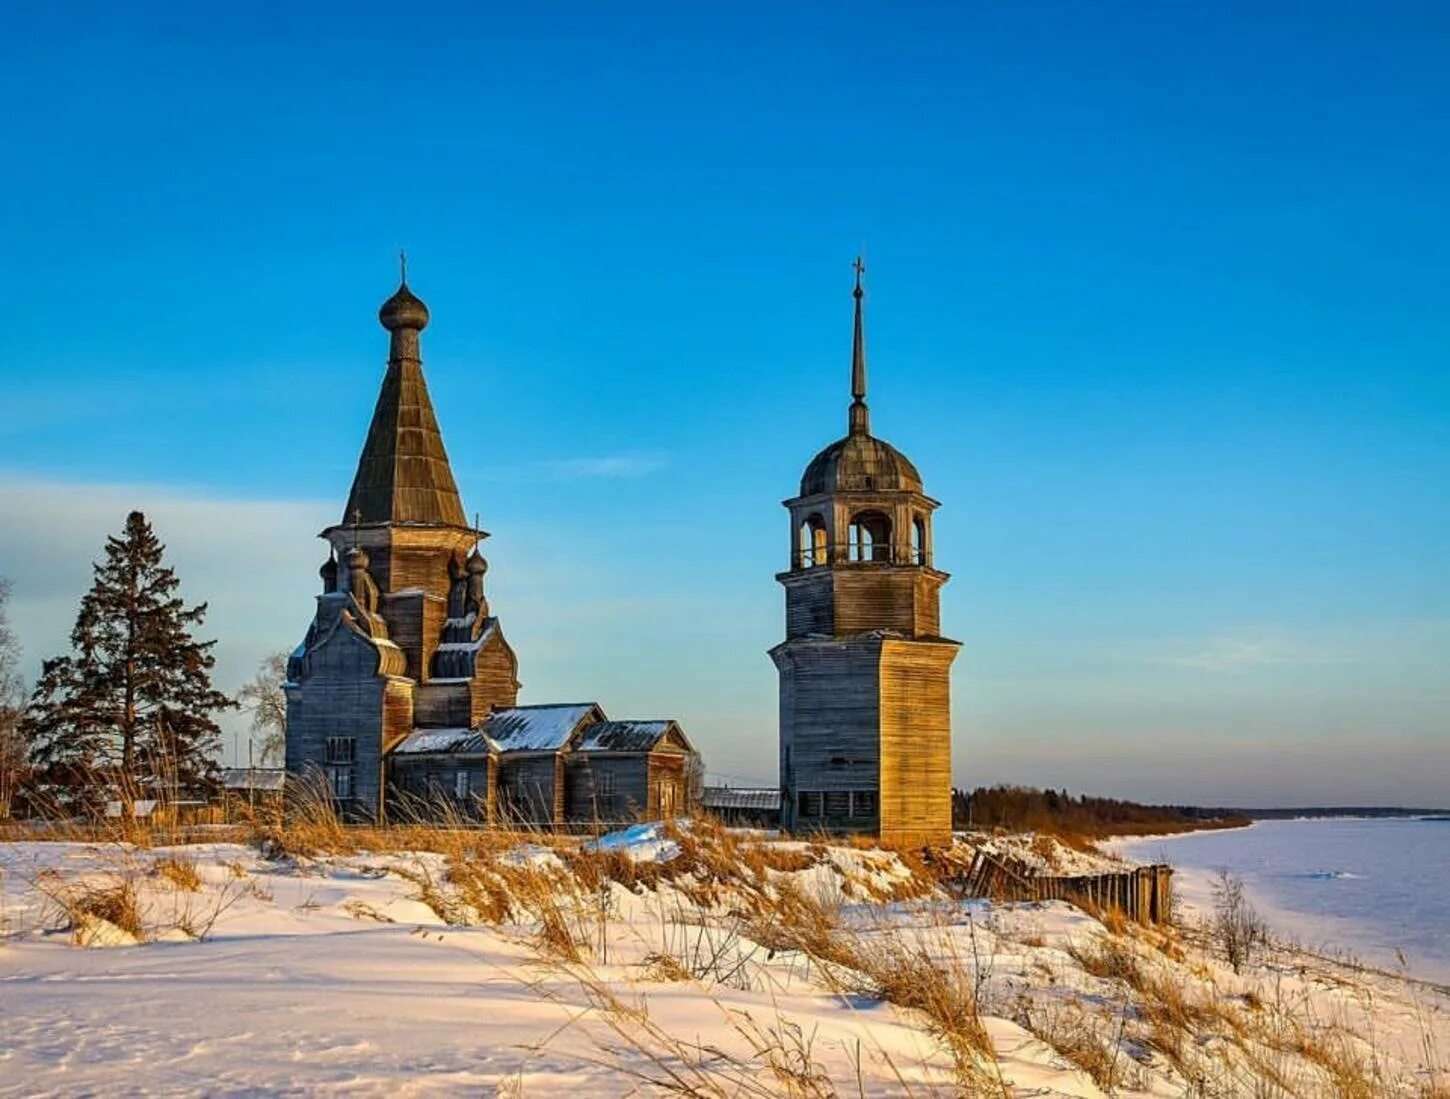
(916,742)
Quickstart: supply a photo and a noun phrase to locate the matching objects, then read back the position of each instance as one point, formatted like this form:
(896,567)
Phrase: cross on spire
(403,266)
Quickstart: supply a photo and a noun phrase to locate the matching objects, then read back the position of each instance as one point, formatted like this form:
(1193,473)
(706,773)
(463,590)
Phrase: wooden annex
(403,695)
(865,675)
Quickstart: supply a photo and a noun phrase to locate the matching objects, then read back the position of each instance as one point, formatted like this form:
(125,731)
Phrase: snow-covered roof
(539,728)
(461,741)
(516,729)
(728,797)
(622,736)
(253,778)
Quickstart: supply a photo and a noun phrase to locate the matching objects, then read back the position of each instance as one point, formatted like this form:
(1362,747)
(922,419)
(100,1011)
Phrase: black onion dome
(860,462)
(404,310)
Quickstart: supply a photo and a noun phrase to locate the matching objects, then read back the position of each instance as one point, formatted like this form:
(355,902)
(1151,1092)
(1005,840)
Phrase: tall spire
(403,475)
(860,419)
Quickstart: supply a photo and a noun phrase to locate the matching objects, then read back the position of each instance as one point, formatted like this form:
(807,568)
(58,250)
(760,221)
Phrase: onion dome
(404,310)
(477,566)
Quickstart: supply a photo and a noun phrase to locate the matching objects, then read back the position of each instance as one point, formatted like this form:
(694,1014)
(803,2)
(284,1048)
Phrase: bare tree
(1237,926)
(13,753)
(266,701)
(694,780)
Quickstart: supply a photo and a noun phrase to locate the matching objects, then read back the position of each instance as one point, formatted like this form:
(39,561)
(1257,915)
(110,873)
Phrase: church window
(339,781)
(460,785)
(341,754)
(604,783)
(918,541)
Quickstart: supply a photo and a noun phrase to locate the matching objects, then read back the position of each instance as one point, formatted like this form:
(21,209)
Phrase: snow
(536,728)
(330,975)
(641,842)
(439,740)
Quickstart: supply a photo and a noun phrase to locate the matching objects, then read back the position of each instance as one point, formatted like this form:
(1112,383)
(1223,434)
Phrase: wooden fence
(1144,894)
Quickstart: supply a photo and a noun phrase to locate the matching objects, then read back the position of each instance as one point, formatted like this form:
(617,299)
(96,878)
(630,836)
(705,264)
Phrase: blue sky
(1157,303)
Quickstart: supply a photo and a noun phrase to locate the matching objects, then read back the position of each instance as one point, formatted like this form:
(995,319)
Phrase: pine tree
(131,707)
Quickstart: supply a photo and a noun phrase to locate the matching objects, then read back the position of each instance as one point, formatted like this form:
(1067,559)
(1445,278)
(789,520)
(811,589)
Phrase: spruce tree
(131,707)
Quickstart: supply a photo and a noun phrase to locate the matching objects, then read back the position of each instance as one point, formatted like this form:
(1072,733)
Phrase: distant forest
(1056,812)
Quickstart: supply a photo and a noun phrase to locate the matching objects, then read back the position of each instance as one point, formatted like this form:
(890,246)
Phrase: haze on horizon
(1156,303)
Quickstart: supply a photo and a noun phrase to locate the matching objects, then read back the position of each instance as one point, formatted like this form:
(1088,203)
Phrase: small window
(604,783)
(863,803)
(339,780)
(838,803)
(461,786)
(808,803)
(341,749)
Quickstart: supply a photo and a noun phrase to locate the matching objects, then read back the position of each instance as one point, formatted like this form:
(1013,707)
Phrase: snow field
(657,960)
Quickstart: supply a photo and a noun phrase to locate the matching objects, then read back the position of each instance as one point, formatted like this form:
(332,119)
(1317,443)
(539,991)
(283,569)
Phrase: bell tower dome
(865,727)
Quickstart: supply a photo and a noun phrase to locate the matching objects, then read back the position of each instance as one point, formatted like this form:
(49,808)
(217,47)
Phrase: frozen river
(1369,887)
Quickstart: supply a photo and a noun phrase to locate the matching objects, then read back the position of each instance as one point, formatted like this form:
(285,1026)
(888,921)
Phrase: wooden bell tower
(865,675)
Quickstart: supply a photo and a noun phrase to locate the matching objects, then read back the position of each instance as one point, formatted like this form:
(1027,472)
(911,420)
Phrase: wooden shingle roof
(403,475)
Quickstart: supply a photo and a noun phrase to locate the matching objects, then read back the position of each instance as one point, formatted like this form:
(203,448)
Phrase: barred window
(342,749)
(808,803)
(604,783)
(838,803)
(460,785)
(863,803)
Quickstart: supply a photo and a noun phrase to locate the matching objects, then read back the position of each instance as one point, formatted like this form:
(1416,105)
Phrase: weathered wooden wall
(422,785)
(916,742)
(344,696)
(526,791)
(829,722)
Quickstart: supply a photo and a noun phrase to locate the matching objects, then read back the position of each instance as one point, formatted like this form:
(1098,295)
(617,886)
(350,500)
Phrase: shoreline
(1359,944)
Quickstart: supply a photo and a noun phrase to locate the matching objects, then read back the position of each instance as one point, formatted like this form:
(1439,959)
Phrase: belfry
(402,697)
(865,675)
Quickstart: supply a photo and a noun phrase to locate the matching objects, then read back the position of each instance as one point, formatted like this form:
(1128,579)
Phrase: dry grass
(179,870)
(114,900)
(1074,1035)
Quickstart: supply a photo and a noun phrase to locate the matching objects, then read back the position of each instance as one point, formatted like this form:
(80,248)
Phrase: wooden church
(865,674)
(402,699)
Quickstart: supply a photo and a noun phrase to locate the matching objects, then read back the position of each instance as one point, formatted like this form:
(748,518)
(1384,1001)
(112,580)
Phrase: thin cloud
(1230,654)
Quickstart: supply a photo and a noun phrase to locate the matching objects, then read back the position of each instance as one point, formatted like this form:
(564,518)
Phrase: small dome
(404,310)
(860,462)
(476,564)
